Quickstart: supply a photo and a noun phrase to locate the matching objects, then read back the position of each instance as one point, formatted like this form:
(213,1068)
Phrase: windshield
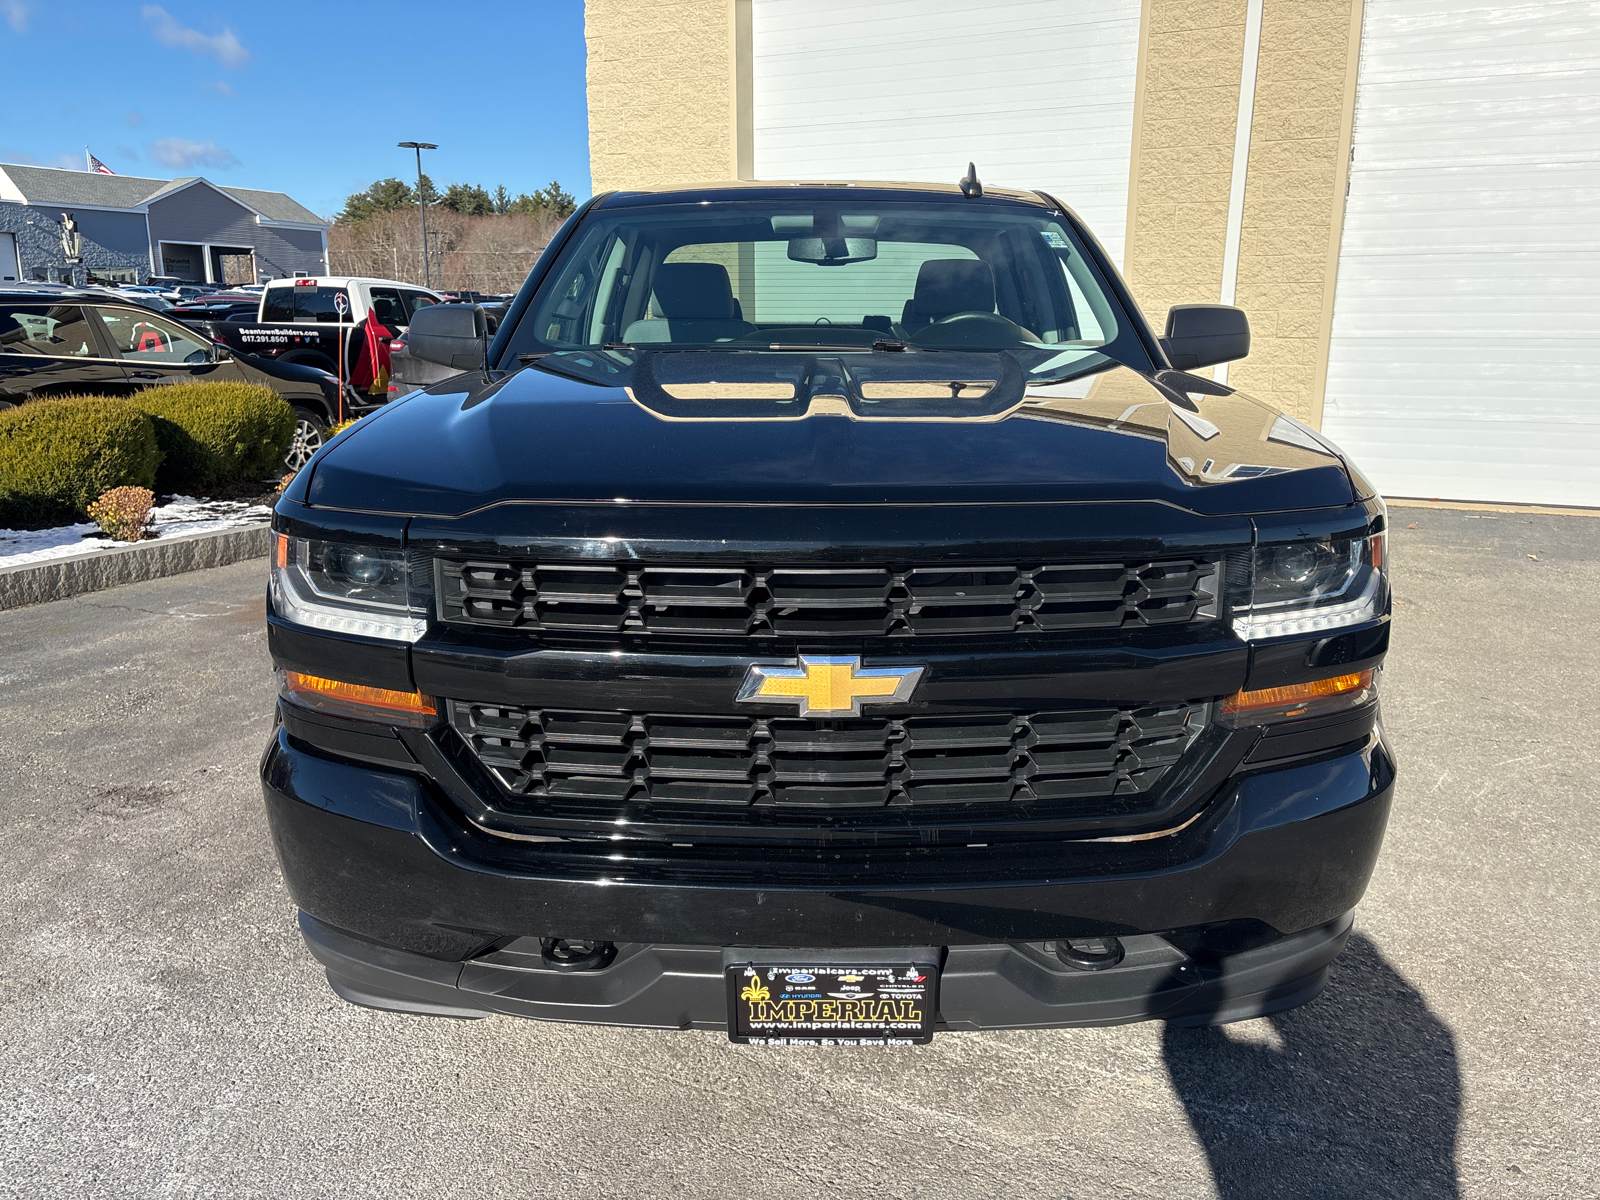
(802,276)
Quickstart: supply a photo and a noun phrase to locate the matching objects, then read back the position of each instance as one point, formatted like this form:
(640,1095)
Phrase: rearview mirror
(451,335)
(1202,335)
(832,252)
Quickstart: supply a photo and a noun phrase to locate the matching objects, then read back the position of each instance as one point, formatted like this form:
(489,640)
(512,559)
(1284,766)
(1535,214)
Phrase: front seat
(695,302)
(946,286)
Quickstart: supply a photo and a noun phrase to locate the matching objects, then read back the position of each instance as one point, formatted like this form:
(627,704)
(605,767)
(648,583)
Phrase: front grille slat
(794,763)
(832,601)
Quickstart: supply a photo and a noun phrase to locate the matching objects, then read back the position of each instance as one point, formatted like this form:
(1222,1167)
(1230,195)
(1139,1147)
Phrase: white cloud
(16,13)
(222,89)
(180,154)
(225,47)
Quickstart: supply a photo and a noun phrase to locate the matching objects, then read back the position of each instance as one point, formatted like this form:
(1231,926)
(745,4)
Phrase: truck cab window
(318,304)
(414,301)
(279,305)
(386,303)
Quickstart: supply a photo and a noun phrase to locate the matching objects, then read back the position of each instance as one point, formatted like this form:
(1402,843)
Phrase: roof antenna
(970,187)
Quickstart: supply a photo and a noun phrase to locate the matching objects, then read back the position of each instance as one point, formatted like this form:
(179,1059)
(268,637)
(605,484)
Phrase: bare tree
(479,253)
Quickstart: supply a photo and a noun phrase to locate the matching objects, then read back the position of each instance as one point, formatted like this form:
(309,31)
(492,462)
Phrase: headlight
(1313,586)
(369,591)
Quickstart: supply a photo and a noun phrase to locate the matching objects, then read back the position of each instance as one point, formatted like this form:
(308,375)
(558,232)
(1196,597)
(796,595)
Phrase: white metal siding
(1039,93)
(1466,331)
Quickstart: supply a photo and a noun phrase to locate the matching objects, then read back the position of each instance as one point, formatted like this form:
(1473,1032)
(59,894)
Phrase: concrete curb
(35,583)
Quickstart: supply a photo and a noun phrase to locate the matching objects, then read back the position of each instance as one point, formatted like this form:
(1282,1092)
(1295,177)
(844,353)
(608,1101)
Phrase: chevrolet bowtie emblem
(829,687)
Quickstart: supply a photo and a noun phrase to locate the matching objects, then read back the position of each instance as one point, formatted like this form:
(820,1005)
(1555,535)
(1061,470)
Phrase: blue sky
(306,98)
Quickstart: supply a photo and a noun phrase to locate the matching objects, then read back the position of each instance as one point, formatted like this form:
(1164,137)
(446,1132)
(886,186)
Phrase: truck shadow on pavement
(1357,1094)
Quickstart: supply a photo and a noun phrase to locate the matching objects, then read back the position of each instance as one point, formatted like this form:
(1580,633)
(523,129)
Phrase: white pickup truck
(301,320)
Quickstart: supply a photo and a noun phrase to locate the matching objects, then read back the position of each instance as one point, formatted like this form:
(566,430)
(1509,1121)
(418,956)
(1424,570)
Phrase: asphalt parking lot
(163,1033)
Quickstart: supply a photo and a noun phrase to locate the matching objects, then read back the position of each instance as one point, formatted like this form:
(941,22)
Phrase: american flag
(98,167)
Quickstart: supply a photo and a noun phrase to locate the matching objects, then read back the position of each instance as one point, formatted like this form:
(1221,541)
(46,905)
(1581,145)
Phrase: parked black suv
(63,343)
(829,614)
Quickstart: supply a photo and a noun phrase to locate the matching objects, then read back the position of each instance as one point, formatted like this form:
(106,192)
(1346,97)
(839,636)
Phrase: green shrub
(215,433)
(57,456)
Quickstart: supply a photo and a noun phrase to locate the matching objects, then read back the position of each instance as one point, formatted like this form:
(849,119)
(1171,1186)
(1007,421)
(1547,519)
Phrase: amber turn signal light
(1300,699)
(353,699)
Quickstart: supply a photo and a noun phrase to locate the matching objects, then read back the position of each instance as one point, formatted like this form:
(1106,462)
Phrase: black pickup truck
(828,613)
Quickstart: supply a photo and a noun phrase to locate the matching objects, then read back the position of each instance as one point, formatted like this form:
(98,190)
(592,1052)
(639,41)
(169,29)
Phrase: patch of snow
(21,547)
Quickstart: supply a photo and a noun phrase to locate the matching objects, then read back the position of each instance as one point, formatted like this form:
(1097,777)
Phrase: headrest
(694,292)
(952,285)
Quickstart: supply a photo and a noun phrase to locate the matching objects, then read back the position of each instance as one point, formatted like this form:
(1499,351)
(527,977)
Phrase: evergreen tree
(502,199)
(386,195)
(468,199)
(549,199)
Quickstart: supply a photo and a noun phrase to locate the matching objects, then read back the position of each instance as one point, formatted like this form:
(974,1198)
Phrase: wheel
(310,431)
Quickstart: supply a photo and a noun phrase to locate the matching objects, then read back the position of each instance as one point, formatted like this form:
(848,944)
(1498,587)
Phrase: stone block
(1183,16)
(1294,157)
(1318,74)
(1213,159)
(1326,35)
(1265,207)
(1295,124)
(1300,323)
(97,570)
(1258,290)
(1299,241)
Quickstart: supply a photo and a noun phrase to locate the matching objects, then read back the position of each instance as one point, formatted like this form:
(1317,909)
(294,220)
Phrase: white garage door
(1466,336)
(1039,93)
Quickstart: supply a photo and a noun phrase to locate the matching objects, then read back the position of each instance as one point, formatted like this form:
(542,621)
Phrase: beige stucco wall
(1185,115)
(1294,198)
(665,91)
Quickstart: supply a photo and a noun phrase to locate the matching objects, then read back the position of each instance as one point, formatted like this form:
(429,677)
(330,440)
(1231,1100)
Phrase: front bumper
(410,908)
(1001,986)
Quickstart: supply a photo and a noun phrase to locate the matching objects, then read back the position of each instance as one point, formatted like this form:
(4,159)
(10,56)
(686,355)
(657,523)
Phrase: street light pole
(422,207)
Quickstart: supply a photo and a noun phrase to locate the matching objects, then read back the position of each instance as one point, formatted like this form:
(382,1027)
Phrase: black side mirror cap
(1202,335)
(451,335)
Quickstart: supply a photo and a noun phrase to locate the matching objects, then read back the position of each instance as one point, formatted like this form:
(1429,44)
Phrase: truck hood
(1115,435)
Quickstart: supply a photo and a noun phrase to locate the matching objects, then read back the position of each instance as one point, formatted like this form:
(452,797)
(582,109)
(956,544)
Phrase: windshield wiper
(891,345)
(881,345)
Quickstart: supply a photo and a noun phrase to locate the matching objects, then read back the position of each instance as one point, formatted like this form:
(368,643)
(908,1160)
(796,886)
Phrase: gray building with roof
(70,226)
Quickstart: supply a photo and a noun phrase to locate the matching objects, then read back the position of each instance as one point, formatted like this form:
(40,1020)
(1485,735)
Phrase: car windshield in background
(831,276)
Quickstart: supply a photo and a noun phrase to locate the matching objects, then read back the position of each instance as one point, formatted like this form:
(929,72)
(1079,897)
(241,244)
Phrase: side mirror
(220,353)
(1201,335)
(451,335)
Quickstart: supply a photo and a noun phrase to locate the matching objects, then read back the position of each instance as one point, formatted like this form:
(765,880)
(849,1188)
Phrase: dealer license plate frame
(870,1003)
